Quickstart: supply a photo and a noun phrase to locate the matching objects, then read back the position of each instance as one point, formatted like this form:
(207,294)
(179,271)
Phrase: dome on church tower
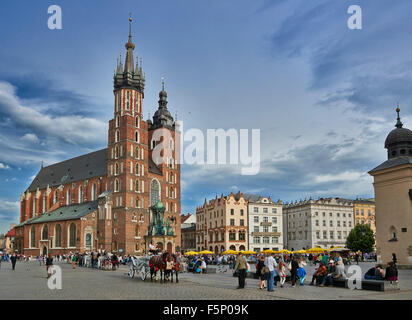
(399,140)
(162,116)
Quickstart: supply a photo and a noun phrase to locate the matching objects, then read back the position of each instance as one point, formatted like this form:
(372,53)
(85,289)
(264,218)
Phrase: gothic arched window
(58,236)
(117,138)
(55,197)
(116,185)
(136,188)
(72,235)
(33,237)
(80,194)
(137,152)
(154,192)
(45,233)
(136,136)
(94,192)
(68,196)
(127,100)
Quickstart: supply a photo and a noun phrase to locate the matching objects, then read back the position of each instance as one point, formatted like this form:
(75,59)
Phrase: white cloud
(4,166)
(30,137)
(72,129)
(344,176)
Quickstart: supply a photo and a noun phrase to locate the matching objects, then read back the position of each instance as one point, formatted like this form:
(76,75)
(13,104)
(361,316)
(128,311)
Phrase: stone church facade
(102,200)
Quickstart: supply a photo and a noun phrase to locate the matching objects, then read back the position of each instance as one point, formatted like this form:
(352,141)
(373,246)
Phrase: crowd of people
(274,268)
(270,269)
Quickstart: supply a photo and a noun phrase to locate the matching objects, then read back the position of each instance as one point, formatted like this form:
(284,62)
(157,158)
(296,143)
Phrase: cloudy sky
(322,95)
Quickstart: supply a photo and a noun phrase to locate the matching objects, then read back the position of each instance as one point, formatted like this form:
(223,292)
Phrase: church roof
(153,168)
(393,162)
(75,211)
(87,166)
(76,169)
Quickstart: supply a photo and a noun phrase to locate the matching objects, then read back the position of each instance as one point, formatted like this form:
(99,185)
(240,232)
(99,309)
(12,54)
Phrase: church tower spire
(127,76)
(129,64)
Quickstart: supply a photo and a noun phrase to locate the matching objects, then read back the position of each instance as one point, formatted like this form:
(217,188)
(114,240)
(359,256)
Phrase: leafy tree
(357,241)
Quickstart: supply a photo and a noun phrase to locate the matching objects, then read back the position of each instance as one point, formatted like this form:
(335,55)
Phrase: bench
(210,269)
(374,285)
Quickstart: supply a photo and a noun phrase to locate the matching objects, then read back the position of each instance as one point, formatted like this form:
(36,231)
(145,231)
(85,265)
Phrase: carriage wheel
(131,273)
(143,273)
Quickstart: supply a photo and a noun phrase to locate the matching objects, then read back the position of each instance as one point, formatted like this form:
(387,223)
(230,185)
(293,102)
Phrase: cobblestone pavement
(29,282)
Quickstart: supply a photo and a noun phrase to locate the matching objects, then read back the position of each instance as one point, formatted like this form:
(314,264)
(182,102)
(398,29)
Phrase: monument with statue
(160,232)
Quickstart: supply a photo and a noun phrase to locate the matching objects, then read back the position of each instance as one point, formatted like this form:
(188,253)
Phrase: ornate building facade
(103,200)
(221,224)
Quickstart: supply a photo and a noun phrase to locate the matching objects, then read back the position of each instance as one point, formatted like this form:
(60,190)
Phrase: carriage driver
(152,248)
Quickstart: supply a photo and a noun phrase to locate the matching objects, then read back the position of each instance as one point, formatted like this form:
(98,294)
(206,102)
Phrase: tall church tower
(127,148)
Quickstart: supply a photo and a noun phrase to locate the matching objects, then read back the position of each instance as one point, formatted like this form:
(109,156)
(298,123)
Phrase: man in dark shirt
(49,262)
(13,260)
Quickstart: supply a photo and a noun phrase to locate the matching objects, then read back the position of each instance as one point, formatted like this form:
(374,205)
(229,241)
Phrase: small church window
(128,100)
(136,136)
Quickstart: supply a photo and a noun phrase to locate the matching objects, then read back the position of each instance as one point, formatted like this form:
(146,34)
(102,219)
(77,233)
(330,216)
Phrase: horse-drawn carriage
(139,264)
(153,263)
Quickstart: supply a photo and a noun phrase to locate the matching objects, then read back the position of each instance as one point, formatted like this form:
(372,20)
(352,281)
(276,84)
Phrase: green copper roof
(71,212)
(159,205)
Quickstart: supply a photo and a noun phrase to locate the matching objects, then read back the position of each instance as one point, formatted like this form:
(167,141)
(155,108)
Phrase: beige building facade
(393,197)
(325,222)
(221,224)
(364,213)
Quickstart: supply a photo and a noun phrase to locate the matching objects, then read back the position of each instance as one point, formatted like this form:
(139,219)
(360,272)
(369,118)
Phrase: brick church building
(103,200)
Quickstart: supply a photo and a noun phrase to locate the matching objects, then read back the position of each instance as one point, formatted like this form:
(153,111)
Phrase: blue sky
(322,95)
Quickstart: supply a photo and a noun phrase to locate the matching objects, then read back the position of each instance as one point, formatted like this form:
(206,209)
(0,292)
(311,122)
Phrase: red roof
(11,233)
(185,217)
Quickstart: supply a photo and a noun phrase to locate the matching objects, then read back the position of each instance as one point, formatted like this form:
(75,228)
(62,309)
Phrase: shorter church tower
(393,197)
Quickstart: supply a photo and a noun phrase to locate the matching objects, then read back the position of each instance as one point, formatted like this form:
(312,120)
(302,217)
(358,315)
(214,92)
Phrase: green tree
(361,238)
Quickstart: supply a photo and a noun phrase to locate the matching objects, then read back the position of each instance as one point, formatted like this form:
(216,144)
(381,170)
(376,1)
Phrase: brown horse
(158,263)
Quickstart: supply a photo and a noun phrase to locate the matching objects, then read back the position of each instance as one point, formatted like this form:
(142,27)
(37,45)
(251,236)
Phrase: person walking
(294,271)
(301,273)
(49,263)
(240,267)
(261,272)
(271,264)
(74,261)
(13,260)
(1,259)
